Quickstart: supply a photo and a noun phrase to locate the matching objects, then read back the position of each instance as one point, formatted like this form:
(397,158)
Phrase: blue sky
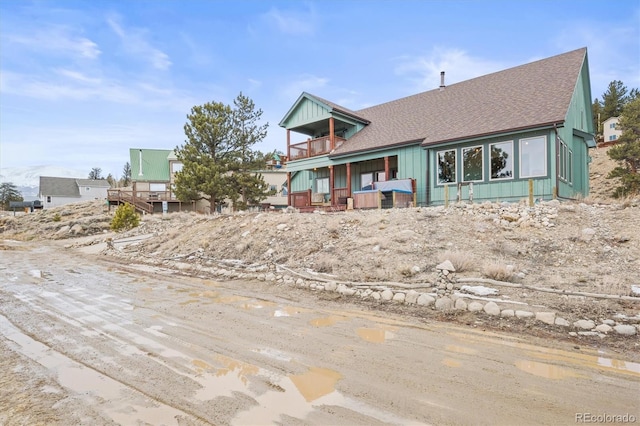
(81,82)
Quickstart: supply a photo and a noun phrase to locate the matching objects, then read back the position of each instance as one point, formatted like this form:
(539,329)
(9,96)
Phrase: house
(152,179)
(503,136)
(58,191)
(152,175)
(610,130)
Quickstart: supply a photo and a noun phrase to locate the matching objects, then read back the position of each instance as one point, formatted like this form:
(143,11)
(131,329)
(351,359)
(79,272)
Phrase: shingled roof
(524,97)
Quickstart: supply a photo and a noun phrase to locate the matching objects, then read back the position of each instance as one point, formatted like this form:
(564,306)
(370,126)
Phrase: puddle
(547,371)
(374,335)
(633,367)
(121,403)
(287,311)
(232,377)
(316,382)
(326,321)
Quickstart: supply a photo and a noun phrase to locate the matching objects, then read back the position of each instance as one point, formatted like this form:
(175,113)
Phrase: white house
(58,191)
(610,129)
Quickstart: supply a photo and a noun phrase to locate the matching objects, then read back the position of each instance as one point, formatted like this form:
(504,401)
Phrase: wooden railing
(141,200)
(313,147)
(301,199)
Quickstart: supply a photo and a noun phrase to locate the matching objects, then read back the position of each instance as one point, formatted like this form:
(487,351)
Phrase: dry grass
(499,271)
(460,260)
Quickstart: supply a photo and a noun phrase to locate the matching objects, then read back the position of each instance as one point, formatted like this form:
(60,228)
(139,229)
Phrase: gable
(150,165)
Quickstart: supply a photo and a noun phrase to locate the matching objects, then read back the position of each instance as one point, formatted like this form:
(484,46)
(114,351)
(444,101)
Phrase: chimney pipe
(140,170)
(441,80)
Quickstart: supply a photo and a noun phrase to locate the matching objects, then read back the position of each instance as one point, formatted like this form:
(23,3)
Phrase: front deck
(148,201)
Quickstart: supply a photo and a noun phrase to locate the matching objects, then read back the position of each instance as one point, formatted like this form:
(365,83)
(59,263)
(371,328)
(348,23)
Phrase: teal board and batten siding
(307,112)
(579,117)
(511,190)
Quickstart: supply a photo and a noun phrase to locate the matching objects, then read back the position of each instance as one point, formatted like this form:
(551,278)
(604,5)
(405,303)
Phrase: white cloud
(134,41)
(458,65)
(57,39)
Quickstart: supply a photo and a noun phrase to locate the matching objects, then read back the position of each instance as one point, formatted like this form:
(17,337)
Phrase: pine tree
(219,144)
(613,100)
(126,175)
(9,192)
(627,151)
(95,173)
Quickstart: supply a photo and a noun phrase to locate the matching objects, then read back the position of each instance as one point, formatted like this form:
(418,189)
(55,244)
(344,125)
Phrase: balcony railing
(313,147)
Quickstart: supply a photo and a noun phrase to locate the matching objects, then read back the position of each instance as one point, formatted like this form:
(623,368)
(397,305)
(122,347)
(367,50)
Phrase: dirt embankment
(552,254)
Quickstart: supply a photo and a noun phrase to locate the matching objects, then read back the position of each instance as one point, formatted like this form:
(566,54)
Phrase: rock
(444,304)
(546,317)
(446,266)
(587,234)
(375,295)
(399,297)
(507,313)
(584,324)
(425,300)
(625,330)
(573,334)
(609,322)
(492,308)
(460,305)
(282,226)
(603,328)
(524,314)
(479,290)
(587,333)
(387,295)
(411,297)
(331,286)
(562,322)
(475,306)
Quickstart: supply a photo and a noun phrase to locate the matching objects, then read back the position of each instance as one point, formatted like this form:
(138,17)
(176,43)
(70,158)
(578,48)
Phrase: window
(48,198)
(472,164)
(446,167)
(322,185)
(366,179)
(176,167)
(613,137)
(501,160)
(533,157)
(86,188)
(612,125)
(570,167)
(565,167)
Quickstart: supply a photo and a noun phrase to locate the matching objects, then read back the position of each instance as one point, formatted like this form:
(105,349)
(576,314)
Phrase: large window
(501,160)
(472,164)
(446,167)
(533,157)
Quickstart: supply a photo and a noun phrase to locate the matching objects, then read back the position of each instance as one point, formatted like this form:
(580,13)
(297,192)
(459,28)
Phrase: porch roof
(524,97)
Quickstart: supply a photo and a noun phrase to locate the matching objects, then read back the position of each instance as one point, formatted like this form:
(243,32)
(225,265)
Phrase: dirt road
(84,340)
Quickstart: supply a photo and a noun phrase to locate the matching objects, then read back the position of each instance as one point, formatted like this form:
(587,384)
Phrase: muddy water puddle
(116,400)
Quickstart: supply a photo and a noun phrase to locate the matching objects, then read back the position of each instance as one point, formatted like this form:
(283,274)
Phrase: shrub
(57,217)
(499,272)
(125,218)
(460,260)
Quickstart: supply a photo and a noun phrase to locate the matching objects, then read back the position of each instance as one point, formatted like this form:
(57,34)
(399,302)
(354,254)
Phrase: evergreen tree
(126,175)
(219,144)
(627,151)
(597,116)
(249,187)
(95,173)
(112,181)
(613,100)
(9,192)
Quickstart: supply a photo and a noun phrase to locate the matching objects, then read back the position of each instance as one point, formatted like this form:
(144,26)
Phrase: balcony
(313,147)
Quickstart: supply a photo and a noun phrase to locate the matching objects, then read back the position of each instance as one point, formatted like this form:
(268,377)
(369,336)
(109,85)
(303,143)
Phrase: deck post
(333,201)
(349,195)
(332,136)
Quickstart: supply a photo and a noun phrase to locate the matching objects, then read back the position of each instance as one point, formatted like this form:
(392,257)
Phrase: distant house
(58,191)
(277,181)
(610,130)
(152,175)
(495,137)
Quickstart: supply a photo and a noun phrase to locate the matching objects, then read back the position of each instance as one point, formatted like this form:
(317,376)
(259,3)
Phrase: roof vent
(442,80)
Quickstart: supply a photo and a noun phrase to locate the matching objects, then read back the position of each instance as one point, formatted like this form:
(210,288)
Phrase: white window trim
(522,141)
(462,163)
(455,161)
(492,179)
